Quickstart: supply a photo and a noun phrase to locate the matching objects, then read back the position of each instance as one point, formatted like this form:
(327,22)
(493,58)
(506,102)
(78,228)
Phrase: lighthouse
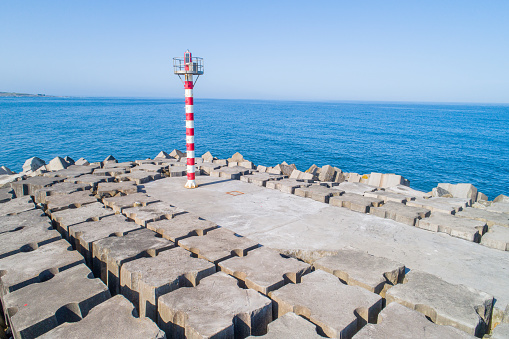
(187,67)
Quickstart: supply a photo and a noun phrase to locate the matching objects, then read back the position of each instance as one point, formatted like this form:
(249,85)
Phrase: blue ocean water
(426,143)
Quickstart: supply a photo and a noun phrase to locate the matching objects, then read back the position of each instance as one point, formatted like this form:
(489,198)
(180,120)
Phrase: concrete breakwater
(112,249)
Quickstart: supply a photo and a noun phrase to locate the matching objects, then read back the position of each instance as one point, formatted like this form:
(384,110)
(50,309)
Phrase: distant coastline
(21,95)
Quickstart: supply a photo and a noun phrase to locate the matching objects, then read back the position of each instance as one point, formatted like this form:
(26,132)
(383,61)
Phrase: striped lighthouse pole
(188,86)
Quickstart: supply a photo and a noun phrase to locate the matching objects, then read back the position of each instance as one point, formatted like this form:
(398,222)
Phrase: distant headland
(18,95)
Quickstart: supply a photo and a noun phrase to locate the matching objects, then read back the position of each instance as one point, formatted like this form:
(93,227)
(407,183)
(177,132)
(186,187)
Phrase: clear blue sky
(441,51)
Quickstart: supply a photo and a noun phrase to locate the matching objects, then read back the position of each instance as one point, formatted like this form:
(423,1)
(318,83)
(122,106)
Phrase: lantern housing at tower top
(188,65)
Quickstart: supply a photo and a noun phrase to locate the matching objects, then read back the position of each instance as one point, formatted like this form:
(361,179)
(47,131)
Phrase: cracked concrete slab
(358,268)
(144,280)
(37,265)
(112,319)
(265,270)
(152,212)
(459,306)
(57,203)
(236,312)
(67,296)
(110,189)
(84,234)
(31,218)
(467,229)
(397,321)
(355,202)
(290,326)
(401,213)
(16,206)
(339,310)
(61,188)
(109,254)
(491,218)
(119,203)
(26,239)
(91,212)
(184,225)
(218,245)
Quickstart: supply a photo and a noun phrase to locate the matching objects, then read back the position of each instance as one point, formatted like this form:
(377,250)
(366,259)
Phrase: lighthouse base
(191,184)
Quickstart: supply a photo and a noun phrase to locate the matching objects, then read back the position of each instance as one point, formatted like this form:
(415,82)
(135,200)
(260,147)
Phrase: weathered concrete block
(355,202)
(152,212)
(66,218)
(111,171)
(38,265)
(84,234)
(356,187)
(440,204)
(57,164)
(260,179)
(401,213)
(6,194)
(177,171)
(237,157)
(290,326)
(286,185)
(236,312)
(221,162)
(26,239)
(491,218)
(150,168)
(61,188)
(33,164)
(71,171)
(298,175)
(113,318)
(163,155)
(467,191)
(147,161)
(30,185)
(139,177)
(338,309)
(467,229)
(109,254)
(184,225)
(397,321)
(500,332)
(90,179)
(402,189)
(82,162)
(68,296)
(501,198)
(6,171)
(16,206)
(207,157)
(177,154)
(459,306)
(119,203)
(389,196)
(110,189)
(57,203)
(109,159)
(265,270)
(144,280)
(31,218)
(358,268)
(233,173)
(326,174)
(497,237)
(499,207)
(207,167)
(317,192)
(218,245)
(126,165)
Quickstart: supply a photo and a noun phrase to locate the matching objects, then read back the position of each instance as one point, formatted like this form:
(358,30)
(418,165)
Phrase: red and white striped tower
(188,67)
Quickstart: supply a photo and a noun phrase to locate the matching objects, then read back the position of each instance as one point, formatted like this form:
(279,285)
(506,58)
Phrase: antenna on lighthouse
(189,66)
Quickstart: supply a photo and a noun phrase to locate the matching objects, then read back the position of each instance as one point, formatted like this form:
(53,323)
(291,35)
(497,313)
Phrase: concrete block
(115,318)
(66,218)
(37,266)
(66,297)
(218,245)
(286,185)
(467,191)
(237,157)
(150,168)
(353,177)
(207,167)
(126,165)
(224,311)
(152,212)
(163,155)
(467,229)
(26,239)
(6,194)
(109,159)
(298,175)
(57,203)
(265,270)
(177,154)
(440,204)
(497,237)
(459,306)
(356,187)
(260,179)
(82,162)
(402,189)
(326,174)
(119,203)
(177,171)
(61,188)
(139,177)
(5,171)
(290,326)
(33,164)
(317,192)
(90,179)
(31,218)
(144,280)
(355,202)
(338,309)
(397,321)
(501,198)
(57,164)
(389,196)
(500,332)
(109,254)
(110,189)
(499,207)
(30,185)
(221,162)
(84,234)
(147,161)
(401,213)
(71,171)
(15,206)
(184,225)
(111,171)
(491,218)
(358,268)
(207,157)
(233,173)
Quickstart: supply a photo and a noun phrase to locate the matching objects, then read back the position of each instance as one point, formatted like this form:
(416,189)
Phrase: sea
(425,143)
